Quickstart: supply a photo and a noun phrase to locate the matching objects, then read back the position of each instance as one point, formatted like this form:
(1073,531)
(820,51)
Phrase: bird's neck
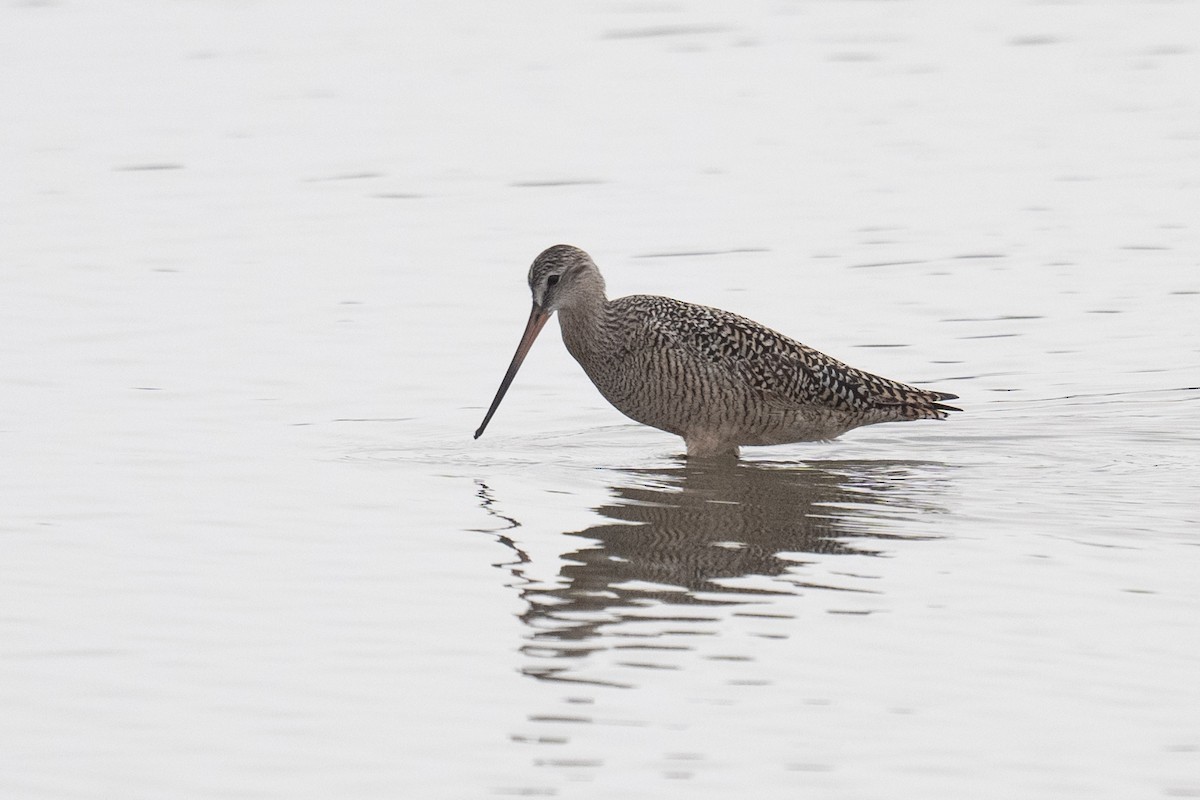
(583,325)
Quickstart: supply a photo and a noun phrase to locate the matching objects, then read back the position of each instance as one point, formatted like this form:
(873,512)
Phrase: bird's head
(560,278)
(563,276)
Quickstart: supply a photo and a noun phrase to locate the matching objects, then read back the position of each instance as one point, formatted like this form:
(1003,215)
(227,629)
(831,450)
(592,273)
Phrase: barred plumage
(714,378)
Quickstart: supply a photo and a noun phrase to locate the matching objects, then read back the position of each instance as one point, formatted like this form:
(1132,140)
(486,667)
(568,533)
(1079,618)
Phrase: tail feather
(923,404)
(940,406)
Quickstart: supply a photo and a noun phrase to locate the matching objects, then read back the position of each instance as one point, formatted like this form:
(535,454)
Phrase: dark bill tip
(537,319)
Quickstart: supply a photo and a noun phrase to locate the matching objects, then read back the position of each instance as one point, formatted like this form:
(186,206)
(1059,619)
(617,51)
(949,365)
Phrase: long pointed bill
(537,319)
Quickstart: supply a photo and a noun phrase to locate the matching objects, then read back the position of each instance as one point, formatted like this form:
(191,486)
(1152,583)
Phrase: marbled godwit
(712,377)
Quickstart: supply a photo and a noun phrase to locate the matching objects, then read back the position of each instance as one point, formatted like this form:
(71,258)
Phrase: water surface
(264,268)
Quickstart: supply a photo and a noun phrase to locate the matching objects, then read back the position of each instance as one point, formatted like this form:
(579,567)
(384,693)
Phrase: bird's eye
(551,280)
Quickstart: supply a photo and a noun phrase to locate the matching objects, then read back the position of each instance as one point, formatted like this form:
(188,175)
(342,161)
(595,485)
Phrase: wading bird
(717,379)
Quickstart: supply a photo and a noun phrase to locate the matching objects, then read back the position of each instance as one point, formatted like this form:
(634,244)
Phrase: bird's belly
(692,399)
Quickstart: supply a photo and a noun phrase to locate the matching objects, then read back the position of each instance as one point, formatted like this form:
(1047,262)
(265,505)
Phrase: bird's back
(683,367)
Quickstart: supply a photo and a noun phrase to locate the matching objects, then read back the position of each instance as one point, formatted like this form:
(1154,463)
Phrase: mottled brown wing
(785,371)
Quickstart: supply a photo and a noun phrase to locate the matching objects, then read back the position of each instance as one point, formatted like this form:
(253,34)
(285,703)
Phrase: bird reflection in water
(690,536)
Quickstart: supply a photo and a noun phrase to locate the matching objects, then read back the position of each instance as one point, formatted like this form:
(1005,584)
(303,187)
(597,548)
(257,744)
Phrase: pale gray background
(263,266)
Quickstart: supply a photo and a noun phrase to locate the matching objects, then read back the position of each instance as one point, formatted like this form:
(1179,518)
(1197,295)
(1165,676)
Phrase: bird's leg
(708,445)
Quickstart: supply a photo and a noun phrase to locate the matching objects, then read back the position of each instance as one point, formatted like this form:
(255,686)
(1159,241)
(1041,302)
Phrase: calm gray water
(264,267)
